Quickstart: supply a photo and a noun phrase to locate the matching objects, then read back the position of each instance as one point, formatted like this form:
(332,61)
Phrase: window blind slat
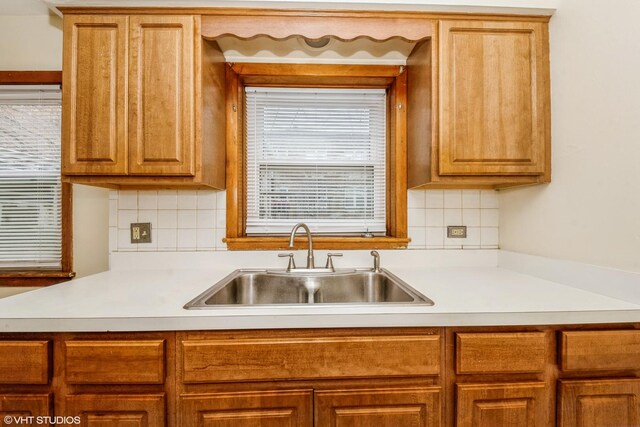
(30,187)
(316,156)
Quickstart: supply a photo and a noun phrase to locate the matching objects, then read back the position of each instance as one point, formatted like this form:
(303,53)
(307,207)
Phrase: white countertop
(153,299)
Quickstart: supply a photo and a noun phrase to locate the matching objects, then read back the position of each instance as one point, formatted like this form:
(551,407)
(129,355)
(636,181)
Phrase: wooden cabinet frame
(391,78)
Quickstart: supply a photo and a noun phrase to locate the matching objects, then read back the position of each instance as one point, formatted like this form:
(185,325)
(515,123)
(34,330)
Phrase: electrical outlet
(457,231)
(141,232)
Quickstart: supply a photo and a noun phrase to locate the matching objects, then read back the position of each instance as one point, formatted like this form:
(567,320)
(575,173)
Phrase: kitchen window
(315,155)
(34,203)
(321,144)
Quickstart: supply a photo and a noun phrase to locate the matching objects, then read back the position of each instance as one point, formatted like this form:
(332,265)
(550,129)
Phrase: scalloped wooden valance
(315,26)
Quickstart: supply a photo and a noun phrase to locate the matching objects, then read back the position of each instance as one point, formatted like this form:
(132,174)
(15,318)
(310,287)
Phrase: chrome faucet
(310,261)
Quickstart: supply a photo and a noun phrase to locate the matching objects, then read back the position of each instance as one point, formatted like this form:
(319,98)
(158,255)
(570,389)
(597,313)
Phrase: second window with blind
(324,146)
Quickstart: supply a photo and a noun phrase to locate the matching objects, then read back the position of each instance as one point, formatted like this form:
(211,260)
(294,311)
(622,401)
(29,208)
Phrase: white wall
(34,42)
(591,210)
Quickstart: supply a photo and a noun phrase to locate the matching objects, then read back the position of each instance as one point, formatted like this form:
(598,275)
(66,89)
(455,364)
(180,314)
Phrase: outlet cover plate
(140,232)
(457,231)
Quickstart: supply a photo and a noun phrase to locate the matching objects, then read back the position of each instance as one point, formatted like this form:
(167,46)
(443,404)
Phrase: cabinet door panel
(494,101)
(248,409)
(117,410)
(416,407)
(504,405)
(94,95)
(161,95)
(14,406)
(599,403)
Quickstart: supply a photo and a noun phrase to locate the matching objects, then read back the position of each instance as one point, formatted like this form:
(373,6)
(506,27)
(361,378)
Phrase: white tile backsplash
(189,220)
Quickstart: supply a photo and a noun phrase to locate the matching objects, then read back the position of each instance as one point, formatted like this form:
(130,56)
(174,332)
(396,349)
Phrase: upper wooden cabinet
(135,111)
(485,113)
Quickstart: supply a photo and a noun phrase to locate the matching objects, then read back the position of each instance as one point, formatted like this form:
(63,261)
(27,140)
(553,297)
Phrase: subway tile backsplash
(195,220)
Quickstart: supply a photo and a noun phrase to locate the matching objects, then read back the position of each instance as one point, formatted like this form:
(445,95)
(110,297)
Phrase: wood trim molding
(310,26)
(30,77)
(324,13)
(39,277)
(395,81)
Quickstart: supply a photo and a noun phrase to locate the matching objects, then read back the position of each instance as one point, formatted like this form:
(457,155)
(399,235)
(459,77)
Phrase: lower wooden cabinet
(115,410)
(547,376)
(599,403)
(503,405)
(280,408)
(415,407)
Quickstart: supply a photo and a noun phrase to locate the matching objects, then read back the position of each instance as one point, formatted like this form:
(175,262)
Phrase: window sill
(320,242)
(34,278)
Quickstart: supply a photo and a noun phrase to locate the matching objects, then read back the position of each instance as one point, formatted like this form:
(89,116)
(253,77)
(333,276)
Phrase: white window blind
(30,188)
(315,156)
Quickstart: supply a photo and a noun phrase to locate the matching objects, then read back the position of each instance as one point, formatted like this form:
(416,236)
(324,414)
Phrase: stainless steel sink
(267,287)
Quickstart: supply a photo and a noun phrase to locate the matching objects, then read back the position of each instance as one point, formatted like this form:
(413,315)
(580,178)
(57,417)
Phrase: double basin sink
(275,287)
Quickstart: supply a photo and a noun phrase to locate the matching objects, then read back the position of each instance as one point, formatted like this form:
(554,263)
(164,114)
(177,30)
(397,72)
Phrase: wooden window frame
(392,78)
(43,277)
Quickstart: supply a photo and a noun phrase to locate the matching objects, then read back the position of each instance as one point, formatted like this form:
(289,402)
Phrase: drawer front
(114,362)
(479,353)
(24,362)
(306,358)
(600,350)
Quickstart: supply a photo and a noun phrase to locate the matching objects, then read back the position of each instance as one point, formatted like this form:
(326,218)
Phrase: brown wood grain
(315,27)
(24,405)
(268,408)
(30,77)
(118,409)
(599,403)
(415,407)
(507,404)
(500,352)
(94,97)
(114,362)
(493,99)
(419,107)
(24,362)
(161,95)
(600,350)
(213,115)
(256,359)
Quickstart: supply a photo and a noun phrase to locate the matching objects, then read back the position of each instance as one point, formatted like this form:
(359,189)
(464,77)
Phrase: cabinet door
(94,128)
(502,405)
(291,408)
(161,95)
(414,407)
(494,98)
(116,410)
(14,407)
(599,403)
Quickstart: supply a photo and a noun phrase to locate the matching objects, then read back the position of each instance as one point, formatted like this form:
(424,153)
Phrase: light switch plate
(141,232)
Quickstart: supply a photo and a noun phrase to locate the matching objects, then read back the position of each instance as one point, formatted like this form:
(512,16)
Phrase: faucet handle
(330,261)
(292,262)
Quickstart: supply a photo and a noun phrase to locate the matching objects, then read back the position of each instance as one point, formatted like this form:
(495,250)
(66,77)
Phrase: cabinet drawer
(114,362)
(600,350)
(24,362)
(478,353)
(219,360)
